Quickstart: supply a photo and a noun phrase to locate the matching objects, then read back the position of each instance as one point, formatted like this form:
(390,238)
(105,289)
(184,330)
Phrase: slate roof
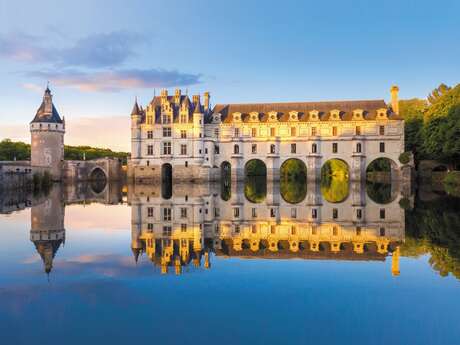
(346,108)
(44,115)
(184,101)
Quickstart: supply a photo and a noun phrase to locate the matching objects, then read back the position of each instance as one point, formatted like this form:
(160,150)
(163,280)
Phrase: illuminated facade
(190,140)
(196,220)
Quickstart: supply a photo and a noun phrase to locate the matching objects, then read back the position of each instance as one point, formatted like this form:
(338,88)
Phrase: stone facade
(196,140)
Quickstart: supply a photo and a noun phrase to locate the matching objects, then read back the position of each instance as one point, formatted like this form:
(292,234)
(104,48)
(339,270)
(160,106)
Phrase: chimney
(395,99)
(177,96)
(207,96)
(196,99)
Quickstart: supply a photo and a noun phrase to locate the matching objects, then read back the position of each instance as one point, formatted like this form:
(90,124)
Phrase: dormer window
(358,114)
(382,113)
(273,116)
(237,117)
(335,115)
(254,116)
(293,116)
(216,118)
(314,115)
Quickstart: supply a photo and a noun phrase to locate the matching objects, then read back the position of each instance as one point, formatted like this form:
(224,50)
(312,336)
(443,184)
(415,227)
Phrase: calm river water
(244,263)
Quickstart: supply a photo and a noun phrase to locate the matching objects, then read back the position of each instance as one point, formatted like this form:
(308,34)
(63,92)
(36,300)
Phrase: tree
(438,92)
(441,104)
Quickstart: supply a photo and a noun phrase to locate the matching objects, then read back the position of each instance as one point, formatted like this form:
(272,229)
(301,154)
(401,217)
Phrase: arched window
(272,148)
(314,148)
(236,149)
(358,148)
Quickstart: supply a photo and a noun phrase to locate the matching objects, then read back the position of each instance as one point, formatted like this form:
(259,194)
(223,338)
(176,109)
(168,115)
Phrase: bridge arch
(225,180)
(381,176)
(335,180)
(166,181)
(255,181)
(97,180)
(293,180)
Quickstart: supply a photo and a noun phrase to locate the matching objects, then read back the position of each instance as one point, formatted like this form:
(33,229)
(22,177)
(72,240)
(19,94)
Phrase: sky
(99,55)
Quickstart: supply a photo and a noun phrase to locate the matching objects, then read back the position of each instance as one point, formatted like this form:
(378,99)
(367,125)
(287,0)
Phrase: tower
(136,119)
(47,138)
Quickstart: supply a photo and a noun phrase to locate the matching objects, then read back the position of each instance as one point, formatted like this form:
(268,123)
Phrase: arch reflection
(335,180)
(293,181)
(255,181)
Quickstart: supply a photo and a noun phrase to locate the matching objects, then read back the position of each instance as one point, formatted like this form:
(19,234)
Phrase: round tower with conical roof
(47,138)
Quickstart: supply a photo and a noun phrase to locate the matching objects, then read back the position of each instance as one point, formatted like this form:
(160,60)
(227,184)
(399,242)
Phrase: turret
(136,120)
(395,99)
(47,138)
(395,263)
(177,94)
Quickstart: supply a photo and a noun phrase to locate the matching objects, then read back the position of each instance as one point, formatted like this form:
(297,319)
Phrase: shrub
(404,157)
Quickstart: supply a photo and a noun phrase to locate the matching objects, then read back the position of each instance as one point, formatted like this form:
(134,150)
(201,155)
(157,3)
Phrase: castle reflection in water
(186,225)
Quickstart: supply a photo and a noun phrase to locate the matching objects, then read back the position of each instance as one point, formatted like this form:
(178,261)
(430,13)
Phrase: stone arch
(255,181)
(293,180)
(335,180)
(381,174)
(97,180)
(225,180)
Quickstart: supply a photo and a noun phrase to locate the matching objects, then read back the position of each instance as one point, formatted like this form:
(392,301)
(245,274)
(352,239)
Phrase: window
(272,212)
(150,226)
(314,230)
(183,118)
(254,132)
(293,230)
(335,147)
(314,213)
(382,213)
(334,131)
(272,131)
(335,231)
(150,150)
(273,229)
(335,213)
(237,229)
(382,232)
(216,150)
(358,130)
(166,131)
(149,134)
(272,148)
(216,132)
(236,149)
(237,132)
(382,147)
(167,148)
(183,149)
(236,212)
(293,148)
(216,212)
(166,230)
(358,148)
(186,164)
(293,132)
(313,131)
(149,211)
(183,212)
(254,229)
(293,213)
(382,130)
(254,212)
(314,148)
(358,231)
(183,227)
(183,134)
(166,213)
(166,118)
(254,148)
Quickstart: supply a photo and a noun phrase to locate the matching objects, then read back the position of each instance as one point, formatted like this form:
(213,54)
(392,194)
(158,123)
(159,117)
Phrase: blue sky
(99,55)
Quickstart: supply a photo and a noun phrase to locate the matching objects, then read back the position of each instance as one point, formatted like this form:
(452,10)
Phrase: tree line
(432,125)
(11,150)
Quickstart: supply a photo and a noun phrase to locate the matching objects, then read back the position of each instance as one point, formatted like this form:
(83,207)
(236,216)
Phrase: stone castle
(190,140)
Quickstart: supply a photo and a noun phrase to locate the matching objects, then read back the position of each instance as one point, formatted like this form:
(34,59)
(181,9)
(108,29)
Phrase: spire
(136,110)
(196,100)
(47,112)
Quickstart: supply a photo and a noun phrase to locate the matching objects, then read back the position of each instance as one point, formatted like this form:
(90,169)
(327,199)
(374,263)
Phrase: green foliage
(442,104)
(404,203)
(255,167)
(334,180)
(438,92)
(10,150)
(293,181)
(255,188)
(380,165)
(452,183)
(404,157)
(379,192)
(412,108)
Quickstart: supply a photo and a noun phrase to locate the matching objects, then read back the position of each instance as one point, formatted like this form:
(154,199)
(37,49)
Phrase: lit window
(149,134)
(293,132)
(313,131)
(183,134)
(183,149)
(166,131)
(272,131)
(334,131)
(167,148)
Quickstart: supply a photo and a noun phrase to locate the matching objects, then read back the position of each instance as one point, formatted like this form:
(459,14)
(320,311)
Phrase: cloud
(94,51)
(118,80)
(23,47)
(33,87)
